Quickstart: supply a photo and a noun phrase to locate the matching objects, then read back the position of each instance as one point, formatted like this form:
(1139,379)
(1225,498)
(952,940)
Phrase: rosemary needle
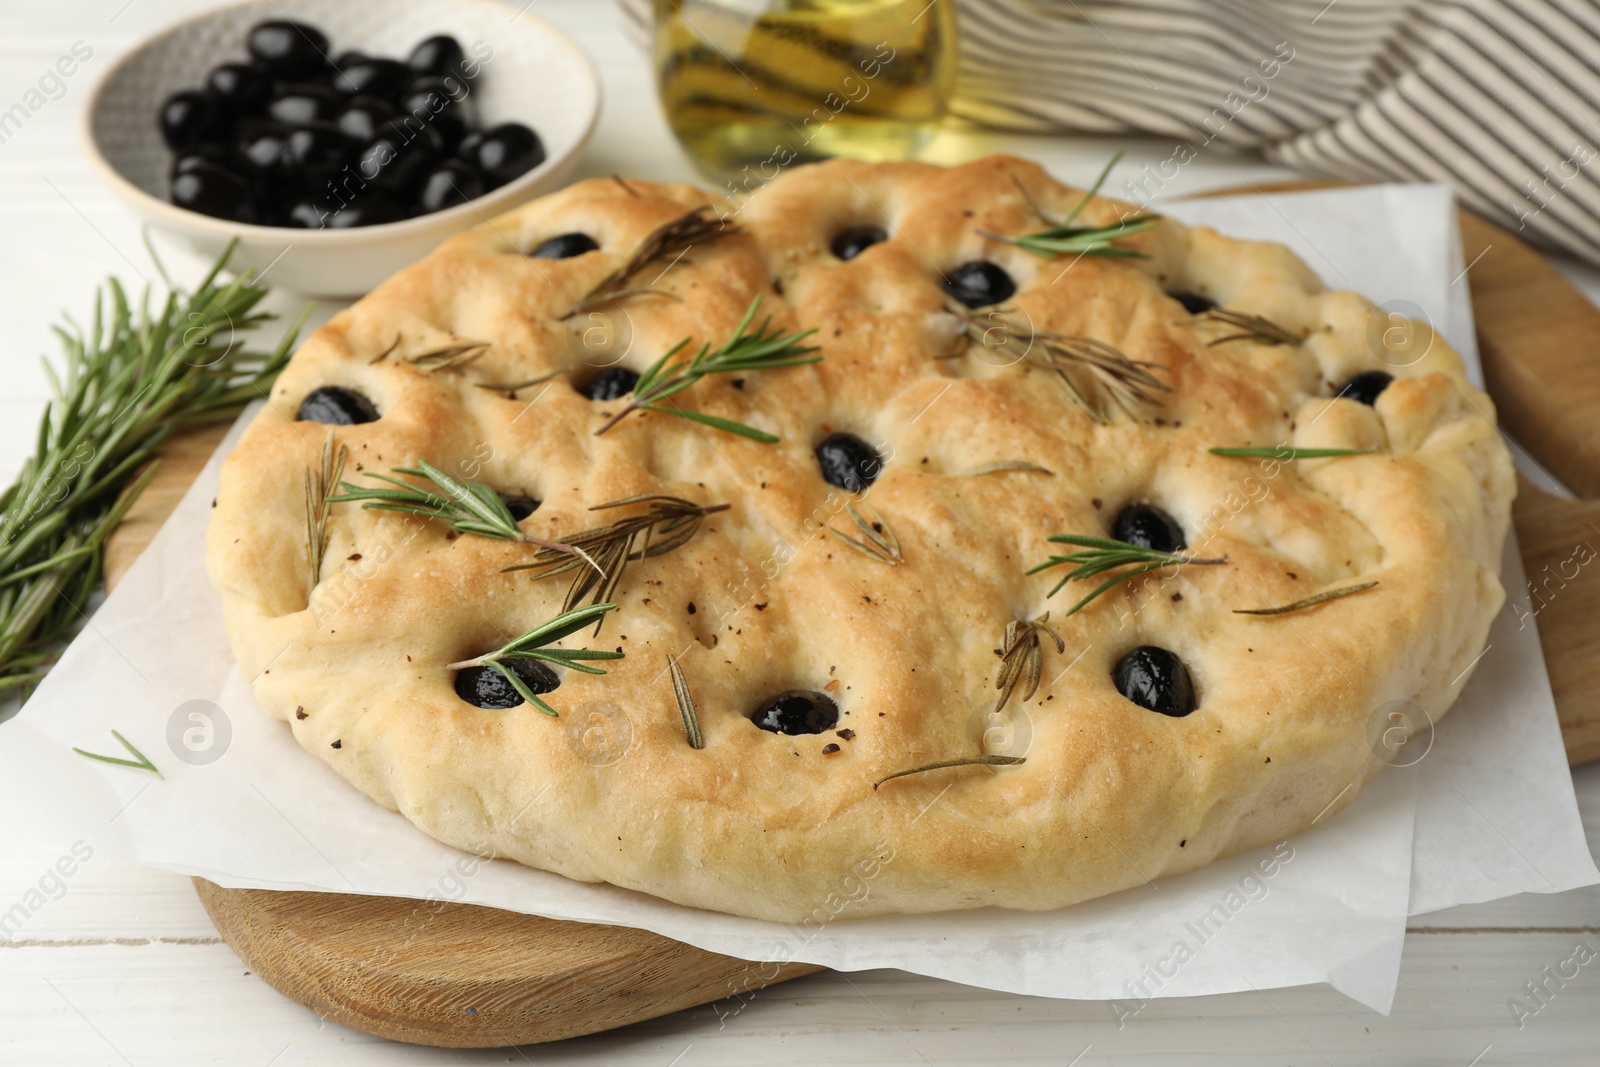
(686,708)
(963,761)
(1308,602)
(1285,453)
(142,763)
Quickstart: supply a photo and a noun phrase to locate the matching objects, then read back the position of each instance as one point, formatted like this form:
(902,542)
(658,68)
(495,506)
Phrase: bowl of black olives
(338,142)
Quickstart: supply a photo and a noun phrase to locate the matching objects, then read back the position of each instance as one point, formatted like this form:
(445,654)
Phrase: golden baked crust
(762,600)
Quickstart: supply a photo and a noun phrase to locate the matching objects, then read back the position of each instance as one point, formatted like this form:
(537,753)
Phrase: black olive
(363,116)
(848,462)
(848,244)
(261,149)
(613,383)
(467,150)
(290,49)
(521,505)
(507,151)
(1156,680)
(450,183)
(799,711)
(1194,303)
(241,88)
(189,117)
(1366,386)
(400,156)
(383,78)
(438,56)
(441,103)
(1148,526)
(303,102)
(318,151)
(211,190)
(564,246)
(371,208)
(337,406)
(191,158)
(486,687)
(979,284)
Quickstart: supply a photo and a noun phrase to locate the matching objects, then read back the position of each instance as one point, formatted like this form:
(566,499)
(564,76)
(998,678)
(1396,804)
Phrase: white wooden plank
(189,1004)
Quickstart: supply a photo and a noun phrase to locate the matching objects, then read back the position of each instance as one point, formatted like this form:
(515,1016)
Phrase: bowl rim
(461,216)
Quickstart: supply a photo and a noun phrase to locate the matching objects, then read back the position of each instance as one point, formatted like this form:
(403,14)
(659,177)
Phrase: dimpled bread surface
(763,600)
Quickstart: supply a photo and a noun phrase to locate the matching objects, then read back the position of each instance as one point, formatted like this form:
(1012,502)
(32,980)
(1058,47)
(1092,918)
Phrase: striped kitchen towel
(1499,98)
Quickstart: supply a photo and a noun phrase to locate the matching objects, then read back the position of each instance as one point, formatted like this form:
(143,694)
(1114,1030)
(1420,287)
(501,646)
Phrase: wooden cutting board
(461,976)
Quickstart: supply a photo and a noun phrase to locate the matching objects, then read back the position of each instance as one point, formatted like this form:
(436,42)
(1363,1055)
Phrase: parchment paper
(1487,811)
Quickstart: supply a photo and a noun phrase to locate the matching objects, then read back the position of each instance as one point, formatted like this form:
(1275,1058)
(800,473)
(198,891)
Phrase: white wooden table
(119,965)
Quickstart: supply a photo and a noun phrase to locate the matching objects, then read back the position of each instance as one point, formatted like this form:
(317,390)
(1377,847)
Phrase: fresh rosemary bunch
(137,376)
(533,645)
(1061,237)
(1102,554)
(668,524)
(762,350)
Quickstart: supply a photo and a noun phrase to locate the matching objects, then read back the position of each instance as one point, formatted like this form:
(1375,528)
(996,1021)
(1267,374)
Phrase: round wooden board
(455,975)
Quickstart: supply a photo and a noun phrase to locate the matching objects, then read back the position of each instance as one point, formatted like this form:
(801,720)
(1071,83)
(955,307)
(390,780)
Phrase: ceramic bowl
(530,73)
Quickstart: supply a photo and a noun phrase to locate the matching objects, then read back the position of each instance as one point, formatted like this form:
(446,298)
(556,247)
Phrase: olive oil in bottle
(752,86)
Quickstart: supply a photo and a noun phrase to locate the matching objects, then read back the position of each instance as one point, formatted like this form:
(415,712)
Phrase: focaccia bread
(981,441)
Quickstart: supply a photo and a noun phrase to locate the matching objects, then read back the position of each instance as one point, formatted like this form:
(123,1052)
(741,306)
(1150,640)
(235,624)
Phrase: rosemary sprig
(963,761)
(1061,237)
(877,539)
(142,763)
(762,350)
(320,488)
(1308,602)
(533,645)
(1251,328)
(1126,383)
(140,374)
(668,524)
(1102,554)
(450,356)
(1009,465)
(669,241)
(1285,453)
(1022,657)
(470,507)
(691,718)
